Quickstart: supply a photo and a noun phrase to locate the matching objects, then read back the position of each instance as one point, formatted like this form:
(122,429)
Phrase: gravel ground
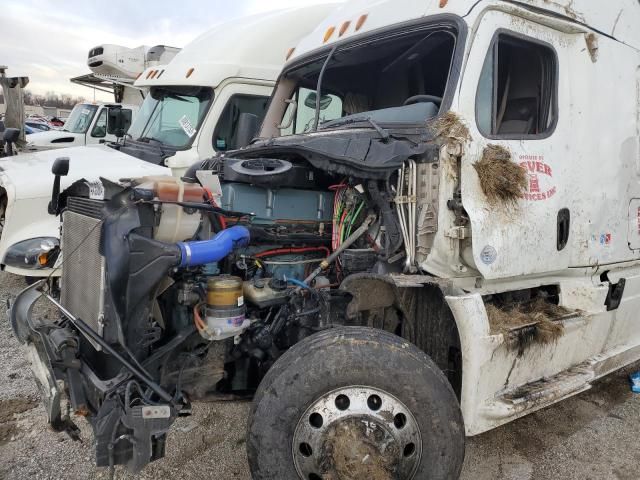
(592,436)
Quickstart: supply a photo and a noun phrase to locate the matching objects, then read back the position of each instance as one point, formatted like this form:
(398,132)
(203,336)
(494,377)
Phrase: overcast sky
(48,41)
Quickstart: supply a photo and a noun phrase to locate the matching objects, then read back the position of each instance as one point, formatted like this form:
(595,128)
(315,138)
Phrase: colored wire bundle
(339,213)
(346,210)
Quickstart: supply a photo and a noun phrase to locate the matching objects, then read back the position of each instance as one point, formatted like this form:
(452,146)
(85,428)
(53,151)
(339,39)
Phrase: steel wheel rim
(371,429)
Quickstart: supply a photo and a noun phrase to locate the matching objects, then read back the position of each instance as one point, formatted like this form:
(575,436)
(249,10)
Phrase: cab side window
(301,113)
(517,92)
(225,134)
(100,128)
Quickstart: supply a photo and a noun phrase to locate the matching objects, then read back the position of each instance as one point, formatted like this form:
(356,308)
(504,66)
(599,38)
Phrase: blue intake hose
(209,251)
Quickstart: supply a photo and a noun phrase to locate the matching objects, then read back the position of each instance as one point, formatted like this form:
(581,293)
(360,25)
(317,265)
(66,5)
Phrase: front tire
(352,403)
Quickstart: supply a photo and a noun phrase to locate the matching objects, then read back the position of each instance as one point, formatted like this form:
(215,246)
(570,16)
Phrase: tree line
(50,99)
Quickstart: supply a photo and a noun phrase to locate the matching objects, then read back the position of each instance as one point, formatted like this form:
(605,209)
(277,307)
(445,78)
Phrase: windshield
(398,79)
(80,118)
(171,115)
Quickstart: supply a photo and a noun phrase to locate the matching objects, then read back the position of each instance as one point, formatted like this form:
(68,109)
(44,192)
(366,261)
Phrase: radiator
(83,268)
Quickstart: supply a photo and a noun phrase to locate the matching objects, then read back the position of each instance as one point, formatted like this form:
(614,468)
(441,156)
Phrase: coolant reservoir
(260,293)
(225,308)
(176,224)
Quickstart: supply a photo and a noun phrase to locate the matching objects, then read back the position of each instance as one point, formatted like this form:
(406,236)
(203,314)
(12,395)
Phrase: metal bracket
(614,297)
(458,233)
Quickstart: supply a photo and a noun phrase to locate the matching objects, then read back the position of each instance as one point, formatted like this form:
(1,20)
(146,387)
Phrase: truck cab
(194,103)
(88,124)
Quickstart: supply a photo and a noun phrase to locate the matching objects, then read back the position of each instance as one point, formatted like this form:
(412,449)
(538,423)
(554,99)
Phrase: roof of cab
(250,47)
(357,17)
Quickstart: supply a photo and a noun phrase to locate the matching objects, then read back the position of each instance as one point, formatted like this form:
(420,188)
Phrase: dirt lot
(593,436)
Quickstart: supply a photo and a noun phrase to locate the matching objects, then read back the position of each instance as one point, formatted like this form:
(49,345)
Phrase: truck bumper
(37,352)
(131,435)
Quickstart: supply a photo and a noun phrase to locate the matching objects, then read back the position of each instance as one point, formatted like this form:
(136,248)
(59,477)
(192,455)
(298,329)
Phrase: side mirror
(248,125)
(60,169)
(312,98)
(118,121)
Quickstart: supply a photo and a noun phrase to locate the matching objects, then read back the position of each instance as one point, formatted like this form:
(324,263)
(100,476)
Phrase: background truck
(191,111)
(195,101)
(436,234)
(88,124)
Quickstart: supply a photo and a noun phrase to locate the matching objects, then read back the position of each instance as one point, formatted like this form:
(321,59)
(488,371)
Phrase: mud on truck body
(435,234)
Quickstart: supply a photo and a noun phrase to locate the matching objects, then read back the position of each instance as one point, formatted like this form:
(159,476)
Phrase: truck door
(633,235)
(510,90)
(98,131)
(218,131)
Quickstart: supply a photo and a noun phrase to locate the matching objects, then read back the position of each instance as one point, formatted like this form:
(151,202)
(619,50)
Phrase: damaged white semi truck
(438,232)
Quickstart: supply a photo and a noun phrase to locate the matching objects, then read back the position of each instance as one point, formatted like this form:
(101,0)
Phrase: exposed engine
(178,291)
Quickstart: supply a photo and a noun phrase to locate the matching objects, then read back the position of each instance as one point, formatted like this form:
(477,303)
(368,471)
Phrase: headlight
(35,253)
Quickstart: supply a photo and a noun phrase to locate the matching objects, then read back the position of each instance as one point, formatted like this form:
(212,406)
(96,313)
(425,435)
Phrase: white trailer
(115,68)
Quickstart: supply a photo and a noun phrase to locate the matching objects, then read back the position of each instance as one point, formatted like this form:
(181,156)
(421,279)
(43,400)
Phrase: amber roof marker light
(344,28)
(290,52)
(361,20)
(189,72)
(328,34)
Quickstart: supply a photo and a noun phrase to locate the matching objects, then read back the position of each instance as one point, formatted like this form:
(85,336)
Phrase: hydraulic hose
(346,244)
(209,251)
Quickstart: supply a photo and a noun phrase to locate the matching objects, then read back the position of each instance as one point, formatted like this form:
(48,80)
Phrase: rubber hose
(209,251)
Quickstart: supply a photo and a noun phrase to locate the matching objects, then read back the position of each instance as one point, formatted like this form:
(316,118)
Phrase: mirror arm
(289,101)
(55,194)
(60,169)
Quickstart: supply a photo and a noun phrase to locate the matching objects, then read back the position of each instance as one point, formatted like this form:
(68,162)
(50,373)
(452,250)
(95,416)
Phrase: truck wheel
(355,403)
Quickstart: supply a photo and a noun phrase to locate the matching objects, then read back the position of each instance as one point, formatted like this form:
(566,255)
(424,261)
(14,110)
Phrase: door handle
(564,225)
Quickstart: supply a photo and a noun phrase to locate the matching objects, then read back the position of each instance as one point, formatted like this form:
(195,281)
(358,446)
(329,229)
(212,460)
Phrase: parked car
(37,126)
(56,122)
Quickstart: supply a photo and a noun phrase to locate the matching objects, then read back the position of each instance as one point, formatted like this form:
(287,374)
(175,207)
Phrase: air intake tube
(209,251)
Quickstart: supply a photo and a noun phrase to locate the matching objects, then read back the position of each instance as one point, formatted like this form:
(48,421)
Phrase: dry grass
(502,181)
(525,323)
(450,127)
